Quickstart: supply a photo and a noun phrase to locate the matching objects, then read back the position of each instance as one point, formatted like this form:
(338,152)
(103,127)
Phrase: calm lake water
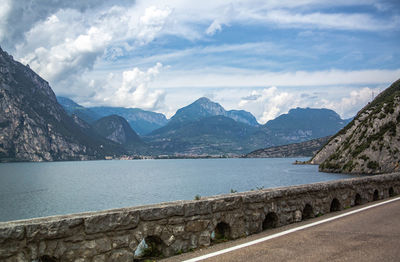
(42,189)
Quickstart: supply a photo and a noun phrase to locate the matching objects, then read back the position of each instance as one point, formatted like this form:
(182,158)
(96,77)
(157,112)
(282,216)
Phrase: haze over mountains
(34,127)
(143,122)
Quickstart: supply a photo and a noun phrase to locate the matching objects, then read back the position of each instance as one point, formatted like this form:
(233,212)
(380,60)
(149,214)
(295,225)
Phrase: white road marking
(287,232)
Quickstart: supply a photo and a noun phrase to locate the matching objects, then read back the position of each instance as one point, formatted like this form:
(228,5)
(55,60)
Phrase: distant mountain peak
(204,107)
(203,100)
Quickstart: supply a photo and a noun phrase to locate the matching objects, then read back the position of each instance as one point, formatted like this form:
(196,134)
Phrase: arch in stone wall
(154,248)
(221,233)
(376,195)
(270,221)
(357,200)
(47,258)
(308,212)
(335,205)
(391,192)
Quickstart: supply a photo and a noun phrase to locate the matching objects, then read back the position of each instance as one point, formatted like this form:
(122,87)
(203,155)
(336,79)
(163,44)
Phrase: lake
(30,190)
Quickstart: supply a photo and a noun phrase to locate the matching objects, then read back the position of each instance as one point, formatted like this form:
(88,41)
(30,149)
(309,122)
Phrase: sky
(264,57)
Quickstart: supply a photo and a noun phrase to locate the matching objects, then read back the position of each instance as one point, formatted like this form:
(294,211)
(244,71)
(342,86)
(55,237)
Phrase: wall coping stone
(247,196)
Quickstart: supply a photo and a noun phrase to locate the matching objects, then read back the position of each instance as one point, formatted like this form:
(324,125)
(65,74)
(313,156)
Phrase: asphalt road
(370,235)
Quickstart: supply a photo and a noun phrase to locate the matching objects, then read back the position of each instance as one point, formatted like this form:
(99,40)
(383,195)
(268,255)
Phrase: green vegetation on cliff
(370,143)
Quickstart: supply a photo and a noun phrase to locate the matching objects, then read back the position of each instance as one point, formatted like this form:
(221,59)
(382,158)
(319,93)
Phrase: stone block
(120,241)
(53,229)
(176,220)
(204,239)
(226,204)
(297,216)
(177,229)
(161,212)
(100,258)
(168,239)
(193,241)
(10,248)
(254,197)
(11,232)
(255,206)
(122,255)
(201,207)
(103,245)
(196,225)
(111,221)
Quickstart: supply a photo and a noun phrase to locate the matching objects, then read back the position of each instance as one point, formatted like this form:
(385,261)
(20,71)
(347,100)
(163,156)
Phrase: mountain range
(143,122)
(37,126)
(205,127)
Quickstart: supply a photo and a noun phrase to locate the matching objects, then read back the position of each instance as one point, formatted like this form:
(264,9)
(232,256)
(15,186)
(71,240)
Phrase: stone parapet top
(297,189)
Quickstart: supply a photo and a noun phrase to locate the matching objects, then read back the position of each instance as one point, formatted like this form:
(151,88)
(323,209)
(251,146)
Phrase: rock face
(242,116)
(117,129)
(33,126)
(176,227)
(304,149)
(370,143)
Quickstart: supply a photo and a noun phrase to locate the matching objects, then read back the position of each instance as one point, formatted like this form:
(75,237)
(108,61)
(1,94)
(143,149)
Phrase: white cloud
(214,28)
(4,13)
(151,23)
(235,77)
(85,38)
(340,21)
(65,41)
(349,105)
(71,56)
(268,103)
(131,89)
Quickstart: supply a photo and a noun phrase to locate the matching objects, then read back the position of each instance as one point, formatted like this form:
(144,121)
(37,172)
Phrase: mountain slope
(73,108)
(33,126)
(302,124)
(117,129)
(370,143)
(143,122)
(209,135)
(204,107)
(303,149)
(243,117)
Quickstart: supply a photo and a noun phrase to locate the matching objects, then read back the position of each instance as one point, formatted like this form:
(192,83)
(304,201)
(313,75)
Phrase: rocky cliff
(33,126)
(303,149)
(117,129)
(370,143)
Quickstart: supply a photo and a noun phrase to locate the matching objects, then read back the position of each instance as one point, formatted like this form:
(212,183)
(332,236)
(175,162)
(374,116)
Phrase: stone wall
(171,228)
